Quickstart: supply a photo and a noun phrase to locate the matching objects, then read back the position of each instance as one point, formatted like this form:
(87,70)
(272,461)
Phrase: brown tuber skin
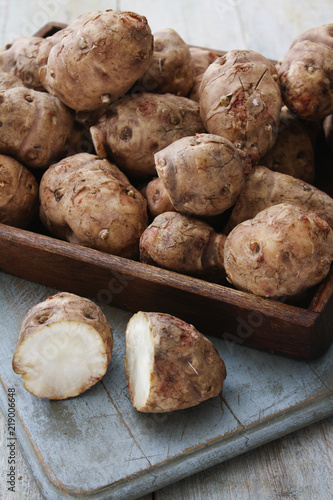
(89,201)
(195,90)
(157,198)
(328,131)
(98,60)
(158,202)
(20,59)
(80,141)
(202,174)
(171,69)
(18,193)
(293,151)
(183,244)
(137,126)
(50,41)
(202,58)
(35,126)
(183,367)
(56,368)
(306,74)
(281,252)
(9,81)
(240,100)
(264,188)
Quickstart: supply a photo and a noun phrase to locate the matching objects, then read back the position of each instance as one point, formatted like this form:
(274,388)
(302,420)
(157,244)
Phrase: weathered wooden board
(268,28)
(97,445)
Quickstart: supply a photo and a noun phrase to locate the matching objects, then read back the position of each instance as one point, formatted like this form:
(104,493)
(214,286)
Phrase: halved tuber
(64,347)
(169,364)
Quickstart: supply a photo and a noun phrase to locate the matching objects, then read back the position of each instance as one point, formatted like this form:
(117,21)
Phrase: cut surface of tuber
(140,359)
(169,364)
(61,360)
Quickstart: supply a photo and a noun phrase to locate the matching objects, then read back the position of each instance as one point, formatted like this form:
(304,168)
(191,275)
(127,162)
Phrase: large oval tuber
(98,59)
(89,201)
(240,99)
(264,188)
(293,151)
(281,252)
(18,193)
(306,74)
(137,126)
(171,69)
(203,175)
(19,58)
(35,126)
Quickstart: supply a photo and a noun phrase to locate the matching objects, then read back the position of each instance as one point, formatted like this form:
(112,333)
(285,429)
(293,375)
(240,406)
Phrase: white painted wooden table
(300,465)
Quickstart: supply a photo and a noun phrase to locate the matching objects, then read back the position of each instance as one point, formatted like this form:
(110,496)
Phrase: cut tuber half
(169,365)
(64,347)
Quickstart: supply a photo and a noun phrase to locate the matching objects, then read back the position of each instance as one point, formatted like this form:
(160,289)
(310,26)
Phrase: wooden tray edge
(230,314)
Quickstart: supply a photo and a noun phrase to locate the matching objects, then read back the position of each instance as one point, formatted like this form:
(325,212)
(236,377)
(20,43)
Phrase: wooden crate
(301,330)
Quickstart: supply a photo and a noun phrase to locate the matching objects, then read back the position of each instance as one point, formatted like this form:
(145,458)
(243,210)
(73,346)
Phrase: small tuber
(18,193)
(184,244)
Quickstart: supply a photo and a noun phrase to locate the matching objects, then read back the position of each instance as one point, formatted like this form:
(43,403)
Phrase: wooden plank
(269,28)
(298,466)
(264,396)
(198,23)
(26,486)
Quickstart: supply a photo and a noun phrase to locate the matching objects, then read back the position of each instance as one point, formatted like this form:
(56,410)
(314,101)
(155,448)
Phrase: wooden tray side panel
(213,309)
(322,303)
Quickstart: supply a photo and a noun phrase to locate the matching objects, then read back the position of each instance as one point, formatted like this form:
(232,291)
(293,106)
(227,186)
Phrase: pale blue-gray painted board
(98,440)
